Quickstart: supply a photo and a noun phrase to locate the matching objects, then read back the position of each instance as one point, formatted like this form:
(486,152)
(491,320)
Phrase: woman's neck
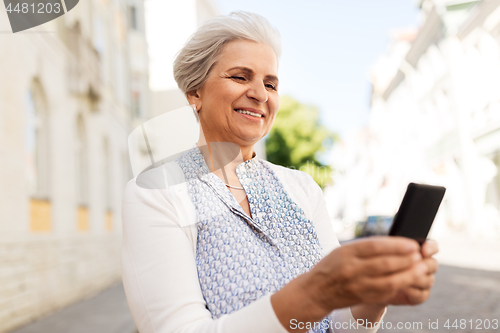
(223,154)
(222,159)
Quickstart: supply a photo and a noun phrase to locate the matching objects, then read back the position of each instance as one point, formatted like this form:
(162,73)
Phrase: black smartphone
(417,211)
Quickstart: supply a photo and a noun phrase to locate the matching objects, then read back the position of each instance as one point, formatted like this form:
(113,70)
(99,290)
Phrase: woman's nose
(257,91)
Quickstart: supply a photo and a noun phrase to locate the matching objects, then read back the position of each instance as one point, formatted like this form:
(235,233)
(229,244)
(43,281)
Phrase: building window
(36,143)
(126,168)
(133,18)
(107,183)
(81,181)
(136,104)
(493,189)
(136,96)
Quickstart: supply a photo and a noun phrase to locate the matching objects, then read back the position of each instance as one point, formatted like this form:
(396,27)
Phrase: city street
(105,313)
(459,293)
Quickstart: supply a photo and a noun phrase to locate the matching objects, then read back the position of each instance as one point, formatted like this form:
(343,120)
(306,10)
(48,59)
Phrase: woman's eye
(271,86)
(238,78)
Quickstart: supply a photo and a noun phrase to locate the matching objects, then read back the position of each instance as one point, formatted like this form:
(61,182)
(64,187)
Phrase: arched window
(36,142)
(37,159)
(81,181)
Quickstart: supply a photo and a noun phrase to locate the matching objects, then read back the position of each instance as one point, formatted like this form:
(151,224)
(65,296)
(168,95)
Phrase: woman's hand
(420,291)
(415,294)
(374,270)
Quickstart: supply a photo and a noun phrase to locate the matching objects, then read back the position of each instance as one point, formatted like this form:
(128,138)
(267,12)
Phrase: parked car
(373,225)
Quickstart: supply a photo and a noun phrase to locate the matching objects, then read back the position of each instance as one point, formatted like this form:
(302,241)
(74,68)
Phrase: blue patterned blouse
(241,258)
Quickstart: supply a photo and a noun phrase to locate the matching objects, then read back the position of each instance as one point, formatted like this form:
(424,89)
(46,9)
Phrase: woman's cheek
(273,116)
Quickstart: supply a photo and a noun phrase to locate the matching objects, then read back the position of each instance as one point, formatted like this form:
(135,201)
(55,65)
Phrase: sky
(328,48)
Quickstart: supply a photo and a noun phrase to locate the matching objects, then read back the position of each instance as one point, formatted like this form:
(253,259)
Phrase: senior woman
(248,246)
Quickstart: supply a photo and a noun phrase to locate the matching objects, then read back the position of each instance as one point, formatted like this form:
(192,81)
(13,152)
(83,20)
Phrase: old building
(71,91)
(435,118)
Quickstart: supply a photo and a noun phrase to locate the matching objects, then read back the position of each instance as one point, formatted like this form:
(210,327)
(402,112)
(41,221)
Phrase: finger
(382,289)
(424,281)
(432,265)
(416,296)
(383,265)
(375,246)
(429,248)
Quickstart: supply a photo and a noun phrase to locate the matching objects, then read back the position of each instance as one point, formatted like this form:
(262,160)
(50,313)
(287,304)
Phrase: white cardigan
(158,257)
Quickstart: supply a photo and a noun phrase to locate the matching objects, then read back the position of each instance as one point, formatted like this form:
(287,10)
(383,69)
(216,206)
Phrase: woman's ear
(193,98)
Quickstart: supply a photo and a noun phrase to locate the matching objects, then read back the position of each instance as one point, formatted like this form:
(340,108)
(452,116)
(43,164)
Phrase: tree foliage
(297,138)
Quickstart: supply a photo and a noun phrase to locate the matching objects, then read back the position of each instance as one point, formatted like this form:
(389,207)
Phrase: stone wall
(41,275)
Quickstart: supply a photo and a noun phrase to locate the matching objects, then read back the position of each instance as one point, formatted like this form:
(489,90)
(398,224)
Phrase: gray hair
(194,61)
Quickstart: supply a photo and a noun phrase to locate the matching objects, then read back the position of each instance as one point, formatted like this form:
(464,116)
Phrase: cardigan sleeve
(160,276)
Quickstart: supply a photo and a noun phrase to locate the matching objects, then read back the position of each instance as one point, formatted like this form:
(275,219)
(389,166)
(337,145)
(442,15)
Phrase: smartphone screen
(417,211)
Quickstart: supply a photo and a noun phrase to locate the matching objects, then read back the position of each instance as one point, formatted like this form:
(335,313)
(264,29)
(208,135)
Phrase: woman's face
(243,80)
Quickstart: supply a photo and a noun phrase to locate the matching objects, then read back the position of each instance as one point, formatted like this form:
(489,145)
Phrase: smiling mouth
(249,113)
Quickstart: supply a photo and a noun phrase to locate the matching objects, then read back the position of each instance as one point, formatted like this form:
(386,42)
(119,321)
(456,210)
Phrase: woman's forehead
(250,55)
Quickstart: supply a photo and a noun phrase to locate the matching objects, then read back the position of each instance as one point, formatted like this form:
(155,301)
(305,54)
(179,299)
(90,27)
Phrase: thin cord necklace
(235,187)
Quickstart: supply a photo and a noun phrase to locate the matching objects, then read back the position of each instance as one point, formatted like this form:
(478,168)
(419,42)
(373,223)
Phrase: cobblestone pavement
(459,293)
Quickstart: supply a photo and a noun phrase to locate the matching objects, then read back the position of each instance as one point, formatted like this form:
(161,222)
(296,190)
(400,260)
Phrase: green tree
(297,138)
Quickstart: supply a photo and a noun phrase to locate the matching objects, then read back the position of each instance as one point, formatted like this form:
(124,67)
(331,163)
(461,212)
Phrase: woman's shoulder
(161,190)
(157,184)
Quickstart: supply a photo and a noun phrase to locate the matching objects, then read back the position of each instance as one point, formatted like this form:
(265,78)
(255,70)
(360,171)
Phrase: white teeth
(249,113)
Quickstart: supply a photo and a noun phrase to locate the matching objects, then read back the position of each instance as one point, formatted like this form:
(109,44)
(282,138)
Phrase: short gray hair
(194,61)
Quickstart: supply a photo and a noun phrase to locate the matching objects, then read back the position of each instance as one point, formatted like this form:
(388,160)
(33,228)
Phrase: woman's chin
(248,138)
